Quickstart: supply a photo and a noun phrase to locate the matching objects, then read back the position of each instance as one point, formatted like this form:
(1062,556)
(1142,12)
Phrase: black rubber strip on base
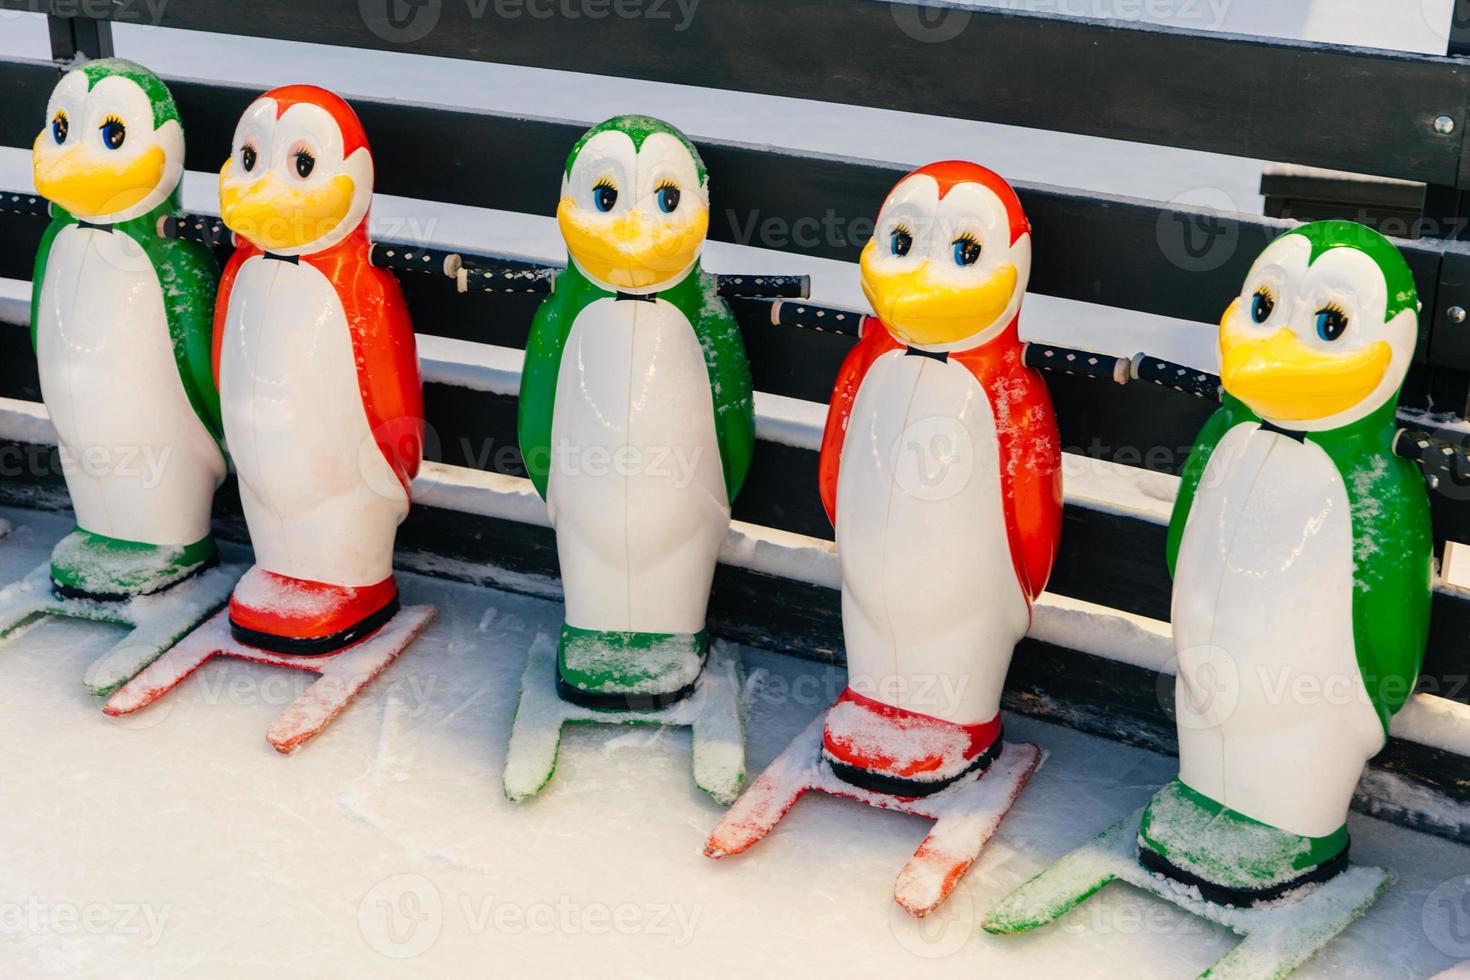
(72,592)
(877,782)
(315,646)
(1240,897)
(600,701)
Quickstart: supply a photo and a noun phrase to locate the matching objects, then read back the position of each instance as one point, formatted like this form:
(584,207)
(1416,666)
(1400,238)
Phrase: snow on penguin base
(1278,936)
(156,622)
(966,814)
(343,674)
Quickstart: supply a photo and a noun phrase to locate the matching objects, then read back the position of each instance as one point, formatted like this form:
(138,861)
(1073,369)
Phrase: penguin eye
(900,241)
(667,196)
(305,163)
(966,250)
(1331,322)
(113,132)
(605,195)
(1262,303)
(248,157)
(59,127)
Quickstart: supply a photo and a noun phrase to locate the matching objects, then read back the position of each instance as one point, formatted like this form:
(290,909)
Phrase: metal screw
(1444,125)
(1456,314)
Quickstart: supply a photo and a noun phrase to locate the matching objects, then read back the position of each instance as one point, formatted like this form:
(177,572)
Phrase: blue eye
(966,250)
(668,198)
(1262,304)
(113,132)
(1331,322)
(59,127)
(605,196)
(900,242)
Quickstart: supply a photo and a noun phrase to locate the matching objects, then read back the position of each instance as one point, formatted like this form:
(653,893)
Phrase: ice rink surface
(178,842)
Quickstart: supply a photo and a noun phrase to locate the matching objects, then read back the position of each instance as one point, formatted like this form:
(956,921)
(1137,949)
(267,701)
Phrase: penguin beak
(87,183)
(926,305)
(1280,377)
(633,250)
(277,216)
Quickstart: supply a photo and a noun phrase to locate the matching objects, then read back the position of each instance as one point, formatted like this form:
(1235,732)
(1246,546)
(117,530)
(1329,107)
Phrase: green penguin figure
(121,319)
(636,416)
(1301,548)
(1302,557)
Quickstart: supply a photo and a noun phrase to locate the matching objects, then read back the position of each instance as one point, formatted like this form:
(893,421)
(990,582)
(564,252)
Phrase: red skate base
(966,814)
(343,674)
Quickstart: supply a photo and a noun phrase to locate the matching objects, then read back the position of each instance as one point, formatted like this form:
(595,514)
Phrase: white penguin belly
(636,490)
(931,607)
(138,462)
(321,501)
(1274,720)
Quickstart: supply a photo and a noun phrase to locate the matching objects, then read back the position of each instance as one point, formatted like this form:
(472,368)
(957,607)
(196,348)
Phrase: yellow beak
(1280,377)
(83,181)
(631,251)
(924,308)
(275,215)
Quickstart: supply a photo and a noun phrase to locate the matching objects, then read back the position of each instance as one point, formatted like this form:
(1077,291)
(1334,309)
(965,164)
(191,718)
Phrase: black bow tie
(937,355)
(636,297)
(94,226)
(1296,434)
(293,259)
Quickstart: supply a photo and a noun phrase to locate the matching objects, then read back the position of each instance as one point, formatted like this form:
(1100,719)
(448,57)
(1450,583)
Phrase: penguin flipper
(876,341)
(1232,412)
(243,250)
(731,387)
(60,219)
(387,363)
(1393,556)
(549,331)
(189,276)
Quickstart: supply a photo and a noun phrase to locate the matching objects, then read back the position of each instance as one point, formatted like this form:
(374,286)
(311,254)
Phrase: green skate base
(1233,858)
(626,671)
(1278,936)
(713,712)
(86,565)
(155,622)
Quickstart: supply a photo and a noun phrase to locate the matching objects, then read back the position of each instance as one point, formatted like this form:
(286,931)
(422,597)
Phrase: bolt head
(1456,314)
(1444,125)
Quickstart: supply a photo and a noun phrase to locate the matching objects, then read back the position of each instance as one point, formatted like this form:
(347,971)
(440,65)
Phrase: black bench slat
(1113,251)
(1199,89)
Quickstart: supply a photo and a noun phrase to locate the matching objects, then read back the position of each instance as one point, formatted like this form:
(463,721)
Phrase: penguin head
(1323,329)
(112,149)
(634,204)
(950,256)
(300,174)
